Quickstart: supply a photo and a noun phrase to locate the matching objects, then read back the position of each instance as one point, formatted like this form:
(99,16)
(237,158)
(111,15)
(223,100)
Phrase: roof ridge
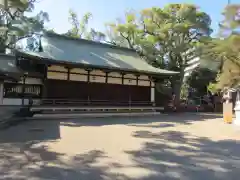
(53,34)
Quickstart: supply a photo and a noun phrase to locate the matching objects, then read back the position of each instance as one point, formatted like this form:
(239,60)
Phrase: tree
(200,79)
(79,28)
(226,49)
(166,37)
(15,24)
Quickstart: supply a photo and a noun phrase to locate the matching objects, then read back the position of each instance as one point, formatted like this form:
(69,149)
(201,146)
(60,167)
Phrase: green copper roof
(79,51)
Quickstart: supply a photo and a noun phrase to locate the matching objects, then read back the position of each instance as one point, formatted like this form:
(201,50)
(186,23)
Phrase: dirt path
(183,146)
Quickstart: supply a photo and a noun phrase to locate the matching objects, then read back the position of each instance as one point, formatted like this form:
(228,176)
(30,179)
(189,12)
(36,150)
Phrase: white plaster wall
(114,80)
(55,75)
(132,76)
(130,82)
(14,101)
(94,76)
(143,83)
(143,77)
(78,77)
(18,102)
(153,84)
(78,70)
(32,81)
(152,94)
(97,79)
(58,68)
(98,72)
(115,74)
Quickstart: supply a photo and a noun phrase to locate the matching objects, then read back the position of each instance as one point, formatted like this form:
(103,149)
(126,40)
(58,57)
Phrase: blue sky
(108,10)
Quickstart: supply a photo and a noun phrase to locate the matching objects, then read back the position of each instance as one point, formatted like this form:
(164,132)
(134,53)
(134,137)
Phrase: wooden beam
(123,77)
(68,73)
(44,80)
(88,75)
(106,78)
(23,89)
(137,76)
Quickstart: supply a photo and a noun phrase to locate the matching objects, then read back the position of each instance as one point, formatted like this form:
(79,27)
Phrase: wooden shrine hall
(60,70)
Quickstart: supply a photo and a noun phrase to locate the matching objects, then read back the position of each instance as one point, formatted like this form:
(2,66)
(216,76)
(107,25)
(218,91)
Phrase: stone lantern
(227,106)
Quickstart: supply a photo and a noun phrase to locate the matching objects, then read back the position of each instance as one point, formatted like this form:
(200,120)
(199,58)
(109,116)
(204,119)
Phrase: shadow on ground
(176,155)
(166,120)
(167,155)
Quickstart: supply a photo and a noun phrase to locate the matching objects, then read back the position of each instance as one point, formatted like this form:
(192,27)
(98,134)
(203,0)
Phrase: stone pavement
(169,147)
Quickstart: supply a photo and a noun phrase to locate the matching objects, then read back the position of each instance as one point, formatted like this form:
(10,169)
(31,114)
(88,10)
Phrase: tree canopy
(200,79)
(167,37)
(15,24)
(80,27)
(226,49)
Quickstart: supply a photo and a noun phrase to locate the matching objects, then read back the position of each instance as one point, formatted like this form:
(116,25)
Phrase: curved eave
(10,76)
(8,68)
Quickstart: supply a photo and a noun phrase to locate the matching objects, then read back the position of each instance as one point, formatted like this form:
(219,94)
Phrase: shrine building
(51,67)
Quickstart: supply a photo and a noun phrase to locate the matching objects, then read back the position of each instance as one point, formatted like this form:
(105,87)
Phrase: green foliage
(226,50)
(212,87)
(80,29)
(200,80)
(166,37)
(13,22)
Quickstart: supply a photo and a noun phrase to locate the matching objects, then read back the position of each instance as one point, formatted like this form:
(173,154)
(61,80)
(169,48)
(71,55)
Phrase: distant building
(192,64)
(197,62)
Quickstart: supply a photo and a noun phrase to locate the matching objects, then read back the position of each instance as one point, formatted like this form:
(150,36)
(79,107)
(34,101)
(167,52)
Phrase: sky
(105,11)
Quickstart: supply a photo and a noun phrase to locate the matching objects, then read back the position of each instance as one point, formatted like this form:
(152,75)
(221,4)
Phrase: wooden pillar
(89,88)
(152,98)
(106,78)
(68,73)
(44,82)
(137,78)
(123,77)
(23,90)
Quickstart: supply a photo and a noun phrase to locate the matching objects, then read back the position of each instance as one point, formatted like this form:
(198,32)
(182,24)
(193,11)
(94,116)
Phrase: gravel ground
(169,147)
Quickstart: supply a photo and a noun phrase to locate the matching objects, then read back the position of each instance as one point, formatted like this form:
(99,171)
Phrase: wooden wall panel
(115,94)
(140,94)
(58,89)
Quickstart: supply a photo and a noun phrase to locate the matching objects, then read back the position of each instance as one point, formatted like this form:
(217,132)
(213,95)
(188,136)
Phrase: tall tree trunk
(178,87)
(177,83)
(5,4)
